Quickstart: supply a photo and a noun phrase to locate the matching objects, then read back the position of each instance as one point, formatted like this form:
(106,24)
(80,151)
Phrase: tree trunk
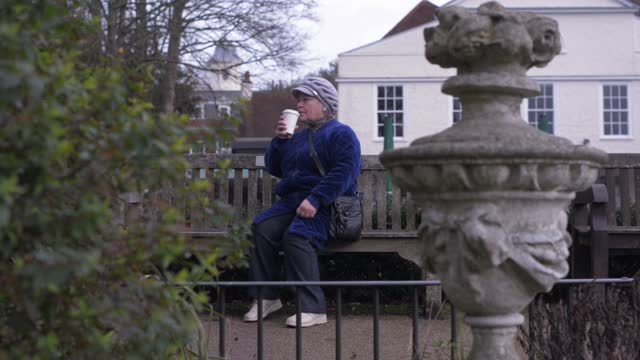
(141,36)
(168,90)
(112,17)
(122,24)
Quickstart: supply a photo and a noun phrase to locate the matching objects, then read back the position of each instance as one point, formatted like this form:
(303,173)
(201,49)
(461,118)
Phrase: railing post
(454,333)
(298,323)
(338,324)
(221,322)
(376,324)
(260,323)
(415,343)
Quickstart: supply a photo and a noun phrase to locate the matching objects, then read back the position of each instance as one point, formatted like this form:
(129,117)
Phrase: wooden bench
(390,221)
(605,220)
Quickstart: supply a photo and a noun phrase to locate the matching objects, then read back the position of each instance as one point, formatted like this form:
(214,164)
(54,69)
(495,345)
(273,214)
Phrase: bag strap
(314,154)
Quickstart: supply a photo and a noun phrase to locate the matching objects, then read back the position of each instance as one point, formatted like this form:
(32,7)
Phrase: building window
(224,110)
(616,110)
(390,106)
(210,111)
(457,109)
(198,112)
(540,110)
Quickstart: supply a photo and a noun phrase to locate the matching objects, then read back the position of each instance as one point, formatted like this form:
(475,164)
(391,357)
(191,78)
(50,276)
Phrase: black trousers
(300,261)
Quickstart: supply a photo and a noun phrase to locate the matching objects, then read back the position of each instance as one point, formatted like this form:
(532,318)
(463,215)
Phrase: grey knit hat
(321,89)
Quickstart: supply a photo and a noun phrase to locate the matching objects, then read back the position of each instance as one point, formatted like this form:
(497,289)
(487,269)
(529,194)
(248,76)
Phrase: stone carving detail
(476,234)
(463,242)
(541,250)
(491,39)
(447,177)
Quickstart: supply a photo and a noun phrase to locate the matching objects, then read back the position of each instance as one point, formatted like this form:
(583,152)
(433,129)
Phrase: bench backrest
(241,181)
(249,189)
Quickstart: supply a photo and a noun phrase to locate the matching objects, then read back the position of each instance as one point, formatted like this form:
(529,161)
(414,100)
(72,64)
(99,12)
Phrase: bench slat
(636,182)
(265,202)
(396,214)
(202,220)
(411,213)
(237,193)
(222,182)
(625,196)
(367,191)
(611,189)
(185,202)
(381,200)
(252,193)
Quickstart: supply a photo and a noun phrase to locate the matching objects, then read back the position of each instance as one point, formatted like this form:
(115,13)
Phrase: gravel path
(318,342)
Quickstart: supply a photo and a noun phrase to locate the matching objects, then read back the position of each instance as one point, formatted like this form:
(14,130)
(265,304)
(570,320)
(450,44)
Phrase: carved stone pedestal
(494,337)
(494,190)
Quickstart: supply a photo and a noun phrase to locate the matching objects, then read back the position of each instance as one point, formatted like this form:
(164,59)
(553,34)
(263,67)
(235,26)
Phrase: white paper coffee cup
(291,118)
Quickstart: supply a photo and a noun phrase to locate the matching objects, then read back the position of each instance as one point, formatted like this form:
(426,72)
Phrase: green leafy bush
(73,139)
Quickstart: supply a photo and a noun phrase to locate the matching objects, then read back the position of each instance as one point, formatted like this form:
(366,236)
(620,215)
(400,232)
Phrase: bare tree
(169,34)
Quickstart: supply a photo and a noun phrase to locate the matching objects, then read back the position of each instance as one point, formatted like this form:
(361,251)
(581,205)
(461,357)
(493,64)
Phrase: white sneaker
(307,319)
(268,306)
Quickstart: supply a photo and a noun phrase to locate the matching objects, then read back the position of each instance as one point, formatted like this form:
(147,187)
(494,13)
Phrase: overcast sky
(347,24)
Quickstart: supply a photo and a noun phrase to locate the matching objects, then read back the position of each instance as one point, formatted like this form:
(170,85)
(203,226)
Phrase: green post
(388,133)
(543,124)
(388,145)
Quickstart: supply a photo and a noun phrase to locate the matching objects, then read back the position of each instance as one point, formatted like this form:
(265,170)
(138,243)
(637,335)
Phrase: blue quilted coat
(338,149)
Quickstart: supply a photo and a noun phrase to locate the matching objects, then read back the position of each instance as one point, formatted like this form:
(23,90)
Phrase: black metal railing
(376,285)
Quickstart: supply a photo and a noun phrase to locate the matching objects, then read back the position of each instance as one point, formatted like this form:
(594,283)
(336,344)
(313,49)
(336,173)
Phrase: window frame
(454,110)
(377,138)
(601,100)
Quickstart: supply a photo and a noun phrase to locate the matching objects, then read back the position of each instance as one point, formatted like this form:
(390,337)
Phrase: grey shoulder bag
(346,211)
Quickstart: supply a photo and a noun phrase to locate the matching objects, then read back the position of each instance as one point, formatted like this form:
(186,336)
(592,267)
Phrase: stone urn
(494,190)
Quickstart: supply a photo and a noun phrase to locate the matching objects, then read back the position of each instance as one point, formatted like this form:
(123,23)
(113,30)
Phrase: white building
(218,91)
(590,92)
(222,85)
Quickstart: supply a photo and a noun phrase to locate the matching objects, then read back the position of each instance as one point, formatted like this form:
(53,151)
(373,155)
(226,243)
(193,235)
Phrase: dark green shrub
(73,139)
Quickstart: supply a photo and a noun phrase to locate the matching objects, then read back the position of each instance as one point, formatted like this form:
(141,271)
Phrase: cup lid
(290,111)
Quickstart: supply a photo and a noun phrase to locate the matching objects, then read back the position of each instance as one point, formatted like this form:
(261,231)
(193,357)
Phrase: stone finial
(493,40)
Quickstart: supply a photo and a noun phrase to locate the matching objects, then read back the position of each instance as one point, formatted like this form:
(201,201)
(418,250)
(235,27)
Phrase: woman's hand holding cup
(281,129)
(287,124)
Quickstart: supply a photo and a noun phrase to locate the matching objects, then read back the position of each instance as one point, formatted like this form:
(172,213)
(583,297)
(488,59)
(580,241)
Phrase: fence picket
(367,192)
